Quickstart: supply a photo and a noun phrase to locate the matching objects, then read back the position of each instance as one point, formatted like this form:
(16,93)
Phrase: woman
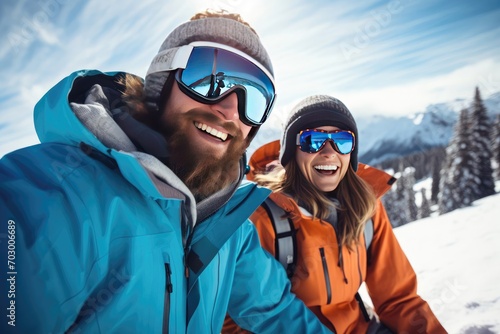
(317,183)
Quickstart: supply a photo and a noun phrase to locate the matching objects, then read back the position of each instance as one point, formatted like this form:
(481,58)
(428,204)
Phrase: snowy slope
(457,260)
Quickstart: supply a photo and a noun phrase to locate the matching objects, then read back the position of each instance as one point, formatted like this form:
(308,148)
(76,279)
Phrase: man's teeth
(326,167)
(216,133)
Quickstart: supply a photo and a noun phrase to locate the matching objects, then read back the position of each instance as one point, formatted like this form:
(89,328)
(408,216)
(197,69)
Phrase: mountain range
(383,138)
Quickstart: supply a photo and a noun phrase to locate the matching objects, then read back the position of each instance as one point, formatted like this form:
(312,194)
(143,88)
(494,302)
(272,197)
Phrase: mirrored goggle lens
(312,141)
(212,72)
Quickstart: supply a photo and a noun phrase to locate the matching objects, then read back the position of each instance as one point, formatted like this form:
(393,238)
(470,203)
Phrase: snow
(425,184)
(417,119)
(457,260)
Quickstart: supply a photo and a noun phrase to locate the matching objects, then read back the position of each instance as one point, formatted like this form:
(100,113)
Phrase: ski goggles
(312,141)
(208,72)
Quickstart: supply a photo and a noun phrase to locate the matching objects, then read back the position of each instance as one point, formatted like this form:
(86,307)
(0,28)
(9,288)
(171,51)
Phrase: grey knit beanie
(312,112)
(211,29)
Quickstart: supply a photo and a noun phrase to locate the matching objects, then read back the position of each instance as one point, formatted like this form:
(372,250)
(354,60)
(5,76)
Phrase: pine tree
(458,182)
(425,208)
(495,145)
(436,177)
(404,208)
(401,200)
(446,201)
(409,181)
(481,147)
(395,204)
(393,208)
(463,176)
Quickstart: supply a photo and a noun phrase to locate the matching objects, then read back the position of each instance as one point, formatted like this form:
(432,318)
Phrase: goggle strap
(170,59)
(165,61)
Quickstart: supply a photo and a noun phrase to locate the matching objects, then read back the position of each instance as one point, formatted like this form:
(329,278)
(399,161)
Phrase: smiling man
(131,215)
(210,143)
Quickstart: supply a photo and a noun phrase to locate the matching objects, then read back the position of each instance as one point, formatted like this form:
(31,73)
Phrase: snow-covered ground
(457,260)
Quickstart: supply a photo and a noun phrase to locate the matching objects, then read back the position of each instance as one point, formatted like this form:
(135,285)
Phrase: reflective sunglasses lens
(212,72)
(344,141)
(313,141)
(318,140)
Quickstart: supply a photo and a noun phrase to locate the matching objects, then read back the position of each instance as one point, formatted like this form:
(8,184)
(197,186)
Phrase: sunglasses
(208,72)
(312,141)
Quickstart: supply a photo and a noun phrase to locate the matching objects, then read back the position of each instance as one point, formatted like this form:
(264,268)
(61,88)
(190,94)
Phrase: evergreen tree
(409,181)
(388,201)
(463,177)
(481,147)
(436,177)
(495,145)
(458,182)
(425,208)
(422,161)
(401,200)
(393,208)
(395,204)
(445,198)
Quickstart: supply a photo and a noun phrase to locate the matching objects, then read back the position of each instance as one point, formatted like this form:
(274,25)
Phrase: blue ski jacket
(96,234)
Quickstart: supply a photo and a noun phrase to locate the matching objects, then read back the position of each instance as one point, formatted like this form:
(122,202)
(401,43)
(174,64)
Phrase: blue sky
(390,57)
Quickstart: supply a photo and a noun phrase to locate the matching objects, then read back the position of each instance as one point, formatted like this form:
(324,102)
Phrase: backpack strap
(285,242)
(368,232)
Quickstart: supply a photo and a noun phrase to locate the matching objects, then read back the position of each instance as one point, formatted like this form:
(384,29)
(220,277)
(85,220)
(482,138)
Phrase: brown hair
(356,197)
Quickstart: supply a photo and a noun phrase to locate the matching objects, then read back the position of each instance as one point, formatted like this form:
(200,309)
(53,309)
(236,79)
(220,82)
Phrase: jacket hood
(267,156)
(86,107)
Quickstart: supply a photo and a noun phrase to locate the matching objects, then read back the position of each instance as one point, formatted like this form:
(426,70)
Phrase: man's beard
(198,169)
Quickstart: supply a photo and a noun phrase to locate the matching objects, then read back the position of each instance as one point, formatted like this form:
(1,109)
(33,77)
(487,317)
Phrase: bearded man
(130,216)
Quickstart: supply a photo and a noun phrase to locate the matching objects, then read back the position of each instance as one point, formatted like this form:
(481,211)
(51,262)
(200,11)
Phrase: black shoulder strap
(285,242)
(368,232)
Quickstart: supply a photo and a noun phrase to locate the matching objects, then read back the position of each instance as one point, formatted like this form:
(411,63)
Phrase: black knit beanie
(312,112)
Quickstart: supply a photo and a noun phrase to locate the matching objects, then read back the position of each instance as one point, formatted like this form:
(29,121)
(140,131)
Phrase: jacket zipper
(166,302)
(327,276)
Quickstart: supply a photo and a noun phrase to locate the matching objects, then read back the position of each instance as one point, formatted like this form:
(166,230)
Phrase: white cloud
(400,100)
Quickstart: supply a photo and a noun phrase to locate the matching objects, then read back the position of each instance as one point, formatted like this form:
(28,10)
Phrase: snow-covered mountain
(383,138)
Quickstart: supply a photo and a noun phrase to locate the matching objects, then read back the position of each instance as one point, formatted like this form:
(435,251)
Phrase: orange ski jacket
(328,288)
